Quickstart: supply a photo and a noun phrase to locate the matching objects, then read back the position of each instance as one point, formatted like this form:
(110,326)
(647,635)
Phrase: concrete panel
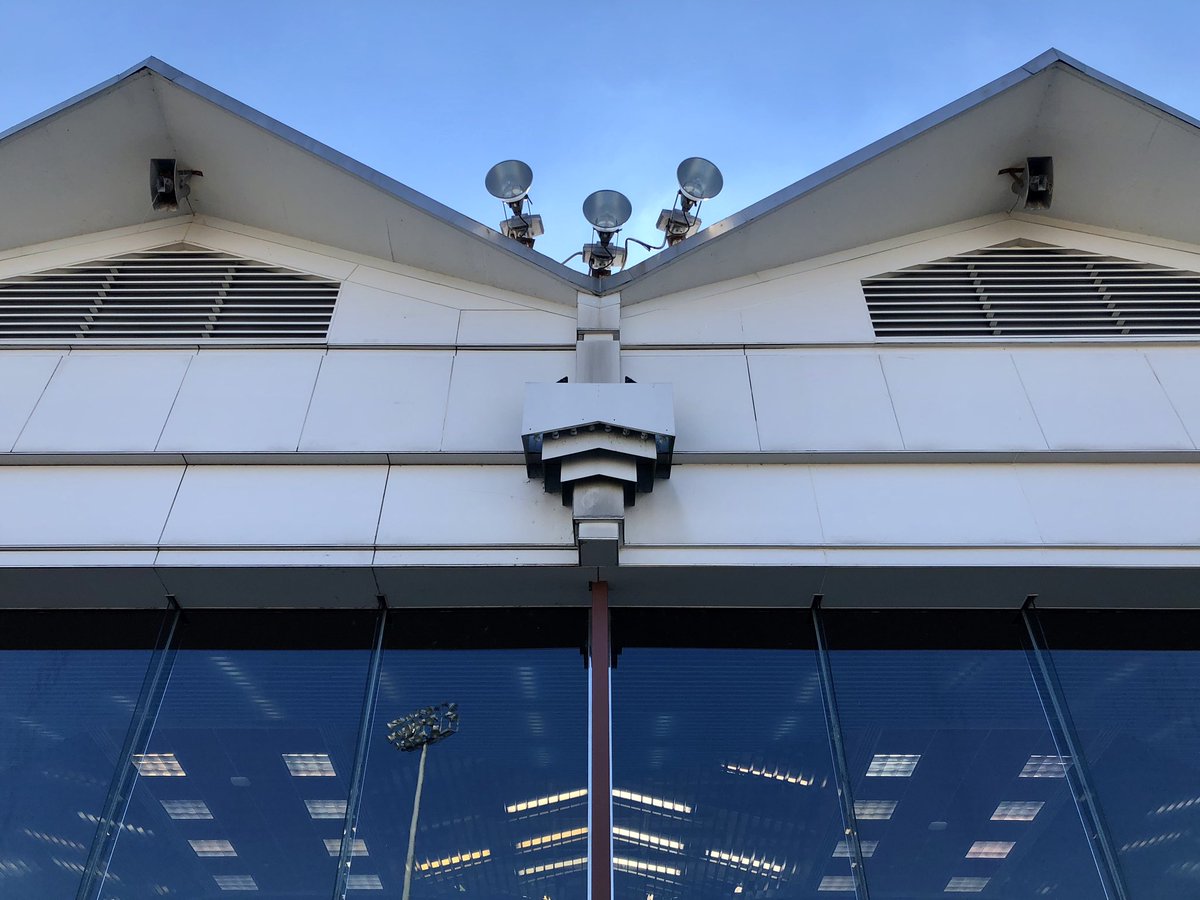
(277,506)
(1099,400)
(713,407)
(1178,371)
(81,586)
(915,504)
(23,377)
(367,315)
(105,401)
(464,505)
(960,400)
(495,327)
(487,391)
(822,401)
(76,505)
(1117,505)
(242,400)
(367,400)
(735,505)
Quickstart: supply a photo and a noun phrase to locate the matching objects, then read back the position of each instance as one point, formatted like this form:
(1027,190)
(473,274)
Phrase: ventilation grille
(1015,291)
(170,294)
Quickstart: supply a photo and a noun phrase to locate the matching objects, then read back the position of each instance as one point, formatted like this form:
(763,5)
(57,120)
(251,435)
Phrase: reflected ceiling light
(457,860)
(1152,841)
(358,847)
(553,839)
(1017,810)
(644,867)
(364,883)
(965,885)
(509,182)
(187,809)
(836,883)
(235,882)
(874,810)
(773,774)
(653,802)
(842,850)
(53,839)
(1176,806)
(554,868)
(326,809)
(132,829)
(548,800)
(990,849)
(606,212)
(1044,767)
(747,863)
(158,765)
(306,765)
(738,889)
(212,848)
(893,765)
(646,840)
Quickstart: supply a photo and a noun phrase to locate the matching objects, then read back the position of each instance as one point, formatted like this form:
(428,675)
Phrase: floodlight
(509,183)
(699,179)
(427,725)
(1033,182)
(607,211)
(169,184)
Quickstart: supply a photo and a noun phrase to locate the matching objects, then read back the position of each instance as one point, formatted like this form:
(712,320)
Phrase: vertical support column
(361,748)
(600,744)
(141,726)
(1070,751)
(838,751)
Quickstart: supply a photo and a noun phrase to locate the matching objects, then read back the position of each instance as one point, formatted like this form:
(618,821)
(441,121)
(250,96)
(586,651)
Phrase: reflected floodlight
(1033,182)
(509,183)
(606,211)
(699,179)
(169,184)
(427,725)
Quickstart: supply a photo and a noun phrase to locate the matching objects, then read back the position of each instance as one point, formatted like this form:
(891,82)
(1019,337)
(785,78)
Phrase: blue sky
(611,95)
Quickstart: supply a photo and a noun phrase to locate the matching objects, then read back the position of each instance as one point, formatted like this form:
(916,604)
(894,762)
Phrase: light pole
(418,730)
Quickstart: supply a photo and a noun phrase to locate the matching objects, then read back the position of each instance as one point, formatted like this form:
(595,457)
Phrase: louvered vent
(1033,290)
(179,293)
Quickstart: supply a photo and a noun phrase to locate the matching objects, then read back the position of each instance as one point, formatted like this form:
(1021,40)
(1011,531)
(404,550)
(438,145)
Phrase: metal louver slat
(1021,291)
(178,293)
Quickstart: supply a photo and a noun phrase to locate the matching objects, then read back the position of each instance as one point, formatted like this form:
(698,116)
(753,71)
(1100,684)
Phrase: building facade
(846,548)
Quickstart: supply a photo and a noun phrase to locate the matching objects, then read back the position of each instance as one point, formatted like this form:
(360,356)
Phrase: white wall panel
(960,400)
(465,505)
(736,505)
(1099,400)
(713,407)
(1178,371)
(500,327)
(822,401)
(487,393)
(376,400)
(368,315)
(85,505)
(242,401)
(277,506)
(105,401)
(23,377)
(922,504)
(1117,505)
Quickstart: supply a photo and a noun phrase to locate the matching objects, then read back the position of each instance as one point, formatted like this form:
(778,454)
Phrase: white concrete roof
(1122,161)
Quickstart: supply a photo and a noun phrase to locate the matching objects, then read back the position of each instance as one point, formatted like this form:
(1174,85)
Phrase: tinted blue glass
(494,791)
(952,764)
(64,713)
(1132,684)
(247,770)
(721,761)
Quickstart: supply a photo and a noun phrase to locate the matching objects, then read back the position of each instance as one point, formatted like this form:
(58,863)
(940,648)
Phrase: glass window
(954,771)
(1132,685)
(502,810)
(245,778)
(71,680)
(722,774)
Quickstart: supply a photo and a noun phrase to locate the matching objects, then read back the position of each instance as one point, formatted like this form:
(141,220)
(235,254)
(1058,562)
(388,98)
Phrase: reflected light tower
(417,731)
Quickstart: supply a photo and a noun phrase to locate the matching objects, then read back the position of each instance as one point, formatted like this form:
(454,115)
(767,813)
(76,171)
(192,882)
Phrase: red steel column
(600,769)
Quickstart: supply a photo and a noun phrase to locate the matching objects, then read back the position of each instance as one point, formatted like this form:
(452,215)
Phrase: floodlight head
(168,184)
(699,179)
(509,180)
(427,725)
(607,211)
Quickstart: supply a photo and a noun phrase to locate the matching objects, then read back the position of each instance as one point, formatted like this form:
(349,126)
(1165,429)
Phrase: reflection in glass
(722,774)
(1132,684)
(502,811)
(70,681)
(956,779)
(246,773)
